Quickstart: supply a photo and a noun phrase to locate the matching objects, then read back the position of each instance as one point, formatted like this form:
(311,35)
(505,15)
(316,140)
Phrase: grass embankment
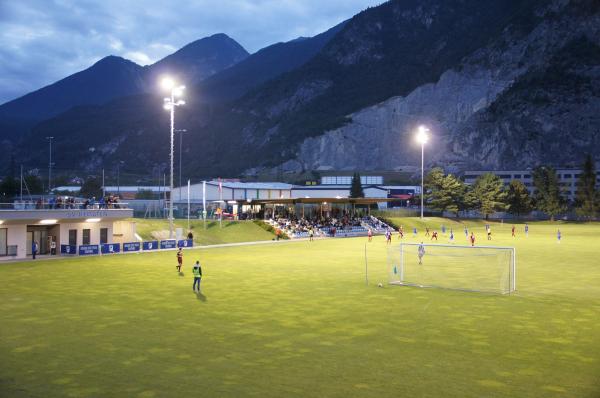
(230,232)
(295,319)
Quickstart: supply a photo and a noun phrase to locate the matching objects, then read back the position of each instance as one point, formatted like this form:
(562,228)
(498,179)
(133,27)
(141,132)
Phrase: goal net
(479,269)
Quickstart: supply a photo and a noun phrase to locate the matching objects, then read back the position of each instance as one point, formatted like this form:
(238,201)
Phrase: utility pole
(50,165)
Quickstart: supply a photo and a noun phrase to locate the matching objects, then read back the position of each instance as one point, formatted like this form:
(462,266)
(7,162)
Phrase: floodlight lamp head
(422,137)
(167,83)
(180,102)
(168,106)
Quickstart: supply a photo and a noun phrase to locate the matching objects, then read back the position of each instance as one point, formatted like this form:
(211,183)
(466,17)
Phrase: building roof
(136,188)
(357,201)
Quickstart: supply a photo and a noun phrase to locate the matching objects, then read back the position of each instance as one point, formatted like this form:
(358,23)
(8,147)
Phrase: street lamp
(422,138)
(169,104)
(180,131)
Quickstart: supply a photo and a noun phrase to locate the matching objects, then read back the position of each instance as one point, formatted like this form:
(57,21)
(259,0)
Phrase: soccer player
(421,253)
(388,237)
(414,232)
(179,259)
(466,232)
(370,234)
(451,236)
(443,229)
(311,234)
(426,231)
(558,236)
(401,232)
(526,230)
(472,239)
(197,271)
(489,233)
(513,230)
(434,235)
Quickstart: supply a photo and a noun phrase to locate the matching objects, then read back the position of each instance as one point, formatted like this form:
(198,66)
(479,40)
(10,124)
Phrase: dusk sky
(42,41)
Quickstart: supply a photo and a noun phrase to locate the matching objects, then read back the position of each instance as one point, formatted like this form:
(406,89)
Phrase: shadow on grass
(181,274)
(201,296)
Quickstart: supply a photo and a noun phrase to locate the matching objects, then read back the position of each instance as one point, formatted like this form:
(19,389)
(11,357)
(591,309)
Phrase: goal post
(479,269)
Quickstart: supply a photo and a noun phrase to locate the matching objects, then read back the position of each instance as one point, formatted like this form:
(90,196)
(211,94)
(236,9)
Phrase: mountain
(468,68)
(264,65)
(115,77)
(199,60)
(108,78)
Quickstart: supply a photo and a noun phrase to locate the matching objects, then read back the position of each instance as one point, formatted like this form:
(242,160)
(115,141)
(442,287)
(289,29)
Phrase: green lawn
(230,232)
(295,319)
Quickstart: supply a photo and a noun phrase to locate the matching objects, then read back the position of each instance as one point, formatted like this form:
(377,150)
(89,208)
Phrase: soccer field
(295,319)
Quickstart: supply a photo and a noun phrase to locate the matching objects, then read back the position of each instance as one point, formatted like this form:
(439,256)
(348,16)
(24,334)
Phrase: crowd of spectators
(328,226)
(69,202)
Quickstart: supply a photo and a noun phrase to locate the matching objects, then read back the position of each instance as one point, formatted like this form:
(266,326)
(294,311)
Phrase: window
(517,176)
(504,176)
(103,235)
(566,175)
(86,237)
(527,176)
(3,241)
(73,237)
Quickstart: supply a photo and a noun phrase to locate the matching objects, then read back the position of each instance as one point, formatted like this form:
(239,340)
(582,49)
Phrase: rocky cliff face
(528,97)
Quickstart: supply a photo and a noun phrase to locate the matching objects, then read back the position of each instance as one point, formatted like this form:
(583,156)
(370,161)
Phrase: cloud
(42,41)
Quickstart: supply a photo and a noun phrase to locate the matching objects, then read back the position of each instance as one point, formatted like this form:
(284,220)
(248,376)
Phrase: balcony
(43,212)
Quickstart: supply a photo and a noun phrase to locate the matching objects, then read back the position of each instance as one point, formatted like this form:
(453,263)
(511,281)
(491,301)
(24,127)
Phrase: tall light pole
(422,138)
(180,131)
(50,165)
(170,104)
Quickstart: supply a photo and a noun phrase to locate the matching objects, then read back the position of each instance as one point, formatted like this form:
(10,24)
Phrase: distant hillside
(501,83)
(115,77)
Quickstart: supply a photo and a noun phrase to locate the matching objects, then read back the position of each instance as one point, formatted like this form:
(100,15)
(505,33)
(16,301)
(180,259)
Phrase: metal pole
(21,184)
(422,176)
(188,209)
(204,202)
(103,186)
(118,179)
(171,180)
(50,164)
(180,156)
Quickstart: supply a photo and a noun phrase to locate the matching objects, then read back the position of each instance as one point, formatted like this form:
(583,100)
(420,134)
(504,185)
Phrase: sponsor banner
(131,247)
(168,244)
(185,243)
(86,250)
(109,248)
(152,245)
(68,249)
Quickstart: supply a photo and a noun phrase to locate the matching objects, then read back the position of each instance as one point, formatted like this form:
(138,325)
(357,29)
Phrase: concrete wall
(17,235)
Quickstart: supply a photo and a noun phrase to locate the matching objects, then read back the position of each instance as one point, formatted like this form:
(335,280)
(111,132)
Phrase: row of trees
(445,192)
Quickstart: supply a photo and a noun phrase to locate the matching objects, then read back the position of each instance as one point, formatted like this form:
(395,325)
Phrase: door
(29,242)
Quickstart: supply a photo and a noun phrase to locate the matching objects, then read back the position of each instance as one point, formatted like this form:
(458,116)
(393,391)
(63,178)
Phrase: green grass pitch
(295,319)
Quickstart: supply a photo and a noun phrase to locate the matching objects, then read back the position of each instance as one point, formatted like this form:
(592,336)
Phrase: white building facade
(54,229)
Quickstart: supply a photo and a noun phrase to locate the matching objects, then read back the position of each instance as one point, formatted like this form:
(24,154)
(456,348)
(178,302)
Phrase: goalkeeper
(421,253)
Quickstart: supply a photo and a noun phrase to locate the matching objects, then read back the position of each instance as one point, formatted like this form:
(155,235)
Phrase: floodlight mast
(170,104)
(422,138)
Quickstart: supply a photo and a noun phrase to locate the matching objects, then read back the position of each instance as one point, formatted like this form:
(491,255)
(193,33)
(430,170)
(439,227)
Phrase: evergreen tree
(356,190)
(444,192)
(518,199)
(489,194)
(548,197)
(588,199)
(34,184)
(9,189)
(91,188)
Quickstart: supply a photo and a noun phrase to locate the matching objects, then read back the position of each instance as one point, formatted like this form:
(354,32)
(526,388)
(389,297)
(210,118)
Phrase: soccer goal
(479,269)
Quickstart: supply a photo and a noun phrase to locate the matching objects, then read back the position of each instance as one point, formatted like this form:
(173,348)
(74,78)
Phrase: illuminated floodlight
(48,221)
(93,220)
(422,136)
(167,83)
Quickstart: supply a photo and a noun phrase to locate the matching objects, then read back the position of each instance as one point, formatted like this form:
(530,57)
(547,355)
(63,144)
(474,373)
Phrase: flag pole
(204,202)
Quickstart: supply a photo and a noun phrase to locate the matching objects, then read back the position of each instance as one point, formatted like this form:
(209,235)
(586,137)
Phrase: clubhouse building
(61,230)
